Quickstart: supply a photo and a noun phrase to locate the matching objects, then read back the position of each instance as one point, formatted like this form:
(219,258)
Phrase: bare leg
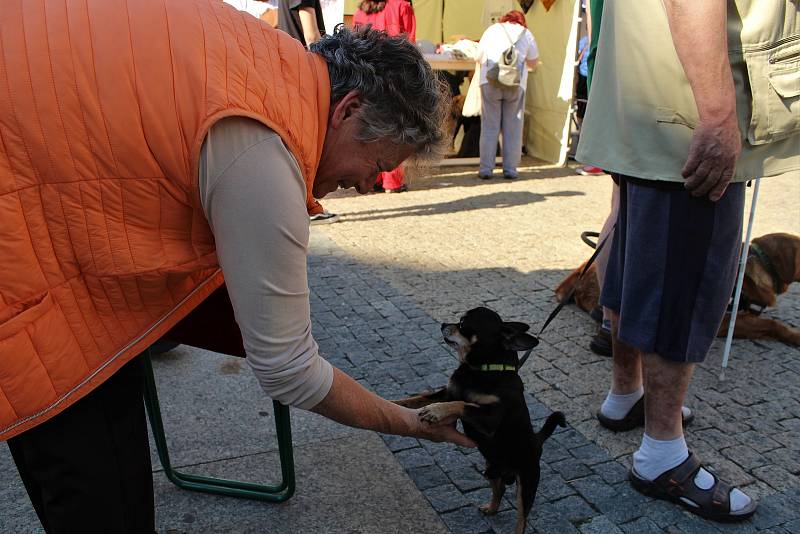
(602,258)
(665,387)
(627,371)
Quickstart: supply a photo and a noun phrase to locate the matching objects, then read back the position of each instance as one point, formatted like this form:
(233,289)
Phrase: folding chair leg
(219,486)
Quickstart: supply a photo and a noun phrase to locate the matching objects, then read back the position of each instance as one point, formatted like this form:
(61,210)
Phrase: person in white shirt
(503,107)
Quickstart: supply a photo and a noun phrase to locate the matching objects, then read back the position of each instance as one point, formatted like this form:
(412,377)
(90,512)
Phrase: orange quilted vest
(104,105)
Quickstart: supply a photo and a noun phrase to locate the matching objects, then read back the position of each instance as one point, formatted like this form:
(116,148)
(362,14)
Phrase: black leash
(566,299)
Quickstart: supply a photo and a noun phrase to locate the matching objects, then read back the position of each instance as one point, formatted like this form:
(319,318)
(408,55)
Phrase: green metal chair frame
(220,486)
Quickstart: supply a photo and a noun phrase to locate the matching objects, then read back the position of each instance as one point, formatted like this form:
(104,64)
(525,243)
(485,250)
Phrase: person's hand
(442,432)
(713,152)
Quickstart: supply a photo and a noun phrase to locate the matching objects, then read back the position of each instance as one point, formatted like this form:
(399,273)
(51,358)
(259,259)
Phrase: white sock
(618,406)
(705,480)
(655,457)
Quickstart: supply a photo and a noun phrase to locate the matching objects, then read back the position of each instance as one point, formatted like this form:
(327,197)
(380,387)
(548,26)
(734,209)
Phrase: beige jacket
(641,111)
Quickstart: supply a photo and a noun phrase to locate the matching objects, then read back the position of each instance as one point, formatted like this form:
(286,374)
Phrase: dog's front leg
(444,412)
(424,399)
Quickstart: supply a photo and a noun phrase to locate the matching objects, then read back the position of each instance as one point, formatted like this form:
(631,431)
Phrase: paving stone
(785,458)
(546,519)
(417,457)
(625,505)
(399,443)
(554,487)
(503,521)
(570,469)
(777,477)
(745,456)
(594,489)
(792,526)
(445,498)
(570,438)
(692,524)
(452,459)
(611,472)
(775,510)
(642,525)
(467,479)
(467,520)
(590,454)
(662,513)
(575,509)
(428,476)
(600,525)
(554,452)
(482,496)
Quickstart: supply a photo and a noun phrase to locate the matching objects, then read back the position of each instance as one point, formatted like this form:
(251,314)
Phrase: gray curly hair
(403,101)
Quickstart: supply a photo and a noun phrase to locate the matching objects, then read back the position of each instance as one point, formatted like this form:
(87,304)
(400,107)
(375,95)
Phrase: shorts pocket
(774,74)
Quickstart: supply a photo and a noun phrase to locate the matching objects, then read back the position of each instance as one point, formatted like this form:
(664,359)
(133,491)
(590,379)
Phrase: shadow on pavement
(504,199)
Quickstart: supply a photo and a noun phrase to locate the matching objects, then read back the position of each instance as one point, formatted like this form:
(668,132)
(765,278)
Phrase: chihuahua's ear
(520,341)
(515,327)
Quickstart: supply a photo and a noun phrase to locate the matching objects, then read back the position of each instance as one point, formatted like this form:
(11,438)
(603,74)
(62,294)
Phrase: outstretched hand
(713,152)
(443,432)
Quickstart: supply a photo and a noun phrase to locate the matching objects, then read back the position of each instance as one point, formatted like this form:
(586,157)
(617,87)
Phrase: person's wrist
(412,426)
(718,108)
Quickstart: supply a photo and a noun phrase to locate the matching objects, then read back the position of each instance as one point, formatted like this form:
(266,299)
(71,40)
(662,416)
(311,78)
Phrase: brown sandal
(677,485)
(633,419)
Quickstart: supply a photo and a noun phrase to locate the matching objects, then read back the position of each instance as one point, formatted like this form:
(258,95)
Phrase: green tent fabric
(429,14)
(550,87)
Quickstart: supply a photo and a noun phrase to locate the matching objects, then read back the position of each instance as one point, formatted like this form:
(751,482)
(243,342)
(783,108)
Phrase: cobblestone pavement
(399,264)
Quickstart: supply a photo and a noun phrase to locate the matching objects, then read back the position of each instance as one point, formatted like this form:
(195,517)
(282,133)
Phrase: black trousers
(88,469)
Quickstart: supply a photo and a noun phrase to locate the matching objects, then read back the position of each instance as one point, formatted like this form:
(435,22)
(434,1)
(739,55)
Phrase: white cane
(739,281)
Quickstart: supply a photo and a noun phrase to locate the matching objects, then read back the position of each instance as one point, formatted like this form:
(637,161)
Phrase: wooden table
(446,62)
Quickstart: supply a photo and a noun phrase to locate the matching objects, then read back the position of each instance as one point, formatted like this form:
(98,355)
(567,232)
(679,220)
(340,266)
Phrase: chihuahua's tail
(555,419)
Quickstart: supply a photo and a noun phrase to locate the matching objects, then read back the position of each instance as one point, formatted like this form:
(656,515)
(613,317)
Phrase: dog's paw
(432,414)
(488,508)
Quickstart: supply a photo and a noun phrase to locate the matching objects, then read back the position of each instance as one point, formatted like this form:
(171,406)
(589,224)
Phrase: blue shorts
(672,267)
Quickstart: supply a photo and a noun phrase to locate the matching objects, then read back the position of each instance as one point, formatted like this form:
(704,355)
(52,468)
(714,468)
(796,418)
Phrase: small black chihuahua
(487,394)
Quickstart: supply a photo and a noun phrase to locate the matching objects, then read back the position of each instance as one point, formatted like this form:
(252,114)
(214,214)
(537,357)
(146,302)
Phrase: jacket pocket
(774,74)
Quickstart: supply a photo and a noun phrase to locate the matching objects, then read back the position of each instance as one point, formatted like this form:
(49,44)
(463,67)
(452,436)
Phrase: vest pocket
(16,317)
(39,356)
(774,74)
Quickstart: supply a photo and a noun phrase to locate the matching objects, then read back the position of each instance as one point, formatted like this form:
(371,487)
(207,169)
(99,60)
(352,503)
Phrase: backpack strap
(513,43)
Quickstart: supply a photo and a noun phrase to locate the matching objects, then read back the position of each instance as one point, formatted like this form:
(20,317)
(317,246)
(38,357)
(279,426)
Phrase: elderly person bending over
(143,156)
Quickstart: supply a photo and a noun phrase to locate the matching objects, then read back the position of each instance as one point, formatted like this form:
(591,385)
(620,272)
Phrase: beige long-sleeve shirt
(254,198)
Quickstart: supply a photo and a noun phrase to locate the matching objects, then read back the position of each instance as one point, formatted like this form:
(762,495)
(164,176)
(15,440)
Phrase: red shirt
(396,18)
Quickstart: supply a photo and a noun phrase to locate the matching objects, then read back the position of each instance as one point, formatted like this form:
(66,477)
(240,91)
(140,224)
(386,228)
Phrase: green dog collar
(495,367)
